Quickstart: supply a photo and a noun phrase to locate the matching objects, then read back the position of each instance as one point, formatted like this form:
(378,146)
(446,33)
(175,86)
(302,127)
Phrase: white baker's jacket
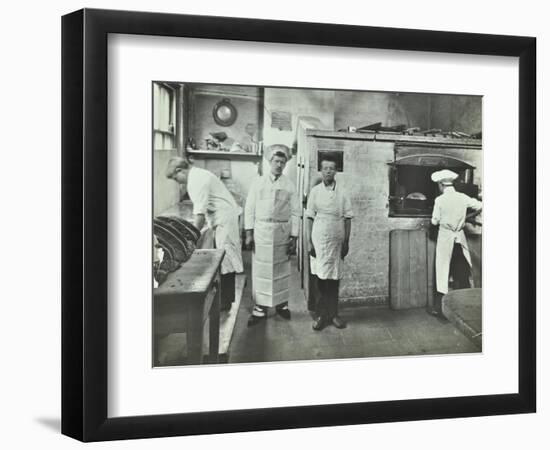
(272,211)
(211,198)
(449,212)
(329,207)
(256,210)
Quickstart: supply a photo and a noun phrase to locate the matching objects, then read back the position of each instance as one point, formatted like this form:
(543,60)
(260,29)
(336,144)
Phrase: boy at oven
(450,213)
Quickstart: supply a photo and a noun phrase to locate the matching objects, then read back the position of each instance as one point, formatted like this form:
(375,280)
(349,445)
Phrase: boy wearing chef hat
(450,213)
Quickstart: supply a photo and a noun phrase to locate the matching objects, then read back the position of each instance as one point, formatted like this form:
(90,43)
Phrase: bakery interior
(387,145)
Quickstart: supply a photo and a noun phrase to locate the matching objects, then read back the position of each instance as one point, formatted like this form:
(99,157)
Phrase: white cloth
(227,236)
(272,211)
(450,210)
(329,207)
(211,198)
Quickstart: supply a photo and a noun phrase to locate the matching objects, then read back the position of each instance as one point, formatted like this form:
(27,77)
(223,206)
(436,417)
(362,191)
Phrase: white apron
(270,261)
(327,235)
(227,237)
(446,240)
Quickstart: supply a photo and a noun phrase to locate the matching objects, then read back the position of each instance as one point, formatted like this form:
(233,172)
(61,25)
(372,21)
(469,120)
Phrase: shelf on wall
(239,156)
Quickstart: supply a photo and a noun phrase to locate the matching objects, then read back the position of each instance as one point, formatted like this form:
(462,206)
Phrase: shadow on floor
(371,332)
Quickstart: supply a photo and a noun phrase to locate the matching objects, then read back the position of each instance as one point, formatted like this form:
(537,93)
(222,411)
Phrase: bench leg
(194,334)
(214,328)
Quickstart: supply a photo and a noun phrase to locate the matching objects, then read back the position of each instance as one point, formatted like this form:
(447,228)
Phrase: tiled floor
(371,332)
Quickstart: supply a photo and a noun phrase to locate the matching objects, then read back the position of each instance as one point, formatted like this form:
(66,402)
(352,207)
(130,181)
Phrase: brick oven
(388,179)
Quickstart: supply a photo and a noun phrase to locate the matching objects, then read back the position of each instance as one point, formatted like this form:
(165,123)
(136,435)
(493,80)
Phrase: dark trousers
(460,269)
(228,289)
(327,302)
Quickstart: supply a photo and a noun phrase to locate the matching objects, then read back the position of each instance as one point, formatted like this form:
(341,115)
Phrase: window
(336,155)
(164,116)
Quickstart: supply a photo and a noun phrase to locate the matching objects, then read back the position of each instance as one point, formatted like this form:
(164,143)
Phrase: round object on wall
(224,113)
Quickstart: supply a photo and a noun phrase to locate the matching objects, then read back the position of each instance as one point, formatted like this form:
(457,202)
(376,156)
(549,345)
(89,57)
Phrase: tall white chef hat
(277,149)
(444,176)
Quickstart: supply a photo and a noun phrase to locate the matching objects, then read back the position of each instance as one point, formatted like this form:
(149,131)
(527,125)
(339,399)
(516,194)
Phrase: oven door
(412,192)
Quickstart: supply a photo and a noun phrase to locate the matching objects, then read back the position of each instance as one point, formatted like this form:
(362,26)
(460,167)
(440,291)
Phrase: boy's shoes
(253,320)
(319,324)
(284,312)
(259,313)
(339,322)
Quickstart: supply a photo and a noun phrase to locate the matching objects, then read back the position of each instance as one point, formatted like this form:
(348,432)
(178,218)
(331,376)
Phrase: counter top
(210,154)
(193,277)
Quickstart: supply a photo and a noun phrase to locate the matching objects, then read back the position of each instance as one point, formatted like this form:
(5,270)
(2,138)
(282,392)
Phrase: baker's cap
(444,176)
(277,148)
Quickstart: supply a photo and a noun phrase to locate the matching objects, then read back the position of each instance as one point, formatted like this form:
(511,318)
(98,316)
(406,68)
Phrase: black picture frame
(84,224)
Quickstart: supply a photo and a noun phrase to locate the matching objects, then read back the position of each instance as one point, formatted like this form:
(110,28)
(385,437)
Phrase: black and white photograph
(295,224)
(272,225)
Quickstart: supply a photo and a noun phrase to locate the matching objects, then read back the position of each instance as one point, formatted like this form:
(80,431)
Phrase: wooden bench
(184,302)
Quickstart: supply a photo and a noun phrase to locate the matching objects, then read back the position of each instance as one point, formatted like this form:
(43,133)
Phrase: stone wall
(358,109)
(247,101)
(366,179)
(456,113)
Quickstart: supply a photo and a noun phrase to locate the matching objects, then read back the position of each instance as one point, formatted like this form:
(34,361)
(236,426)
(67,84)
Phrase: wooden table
(186,299)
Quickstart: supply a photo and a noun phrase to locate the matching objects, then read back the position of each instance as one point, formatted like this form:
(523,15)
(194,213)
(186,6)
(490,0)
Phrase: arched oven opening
(411,190)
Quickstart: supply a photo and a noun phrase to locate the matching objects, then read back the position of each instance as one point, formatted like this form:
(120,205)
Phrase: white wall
(30,177)
(299,103)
